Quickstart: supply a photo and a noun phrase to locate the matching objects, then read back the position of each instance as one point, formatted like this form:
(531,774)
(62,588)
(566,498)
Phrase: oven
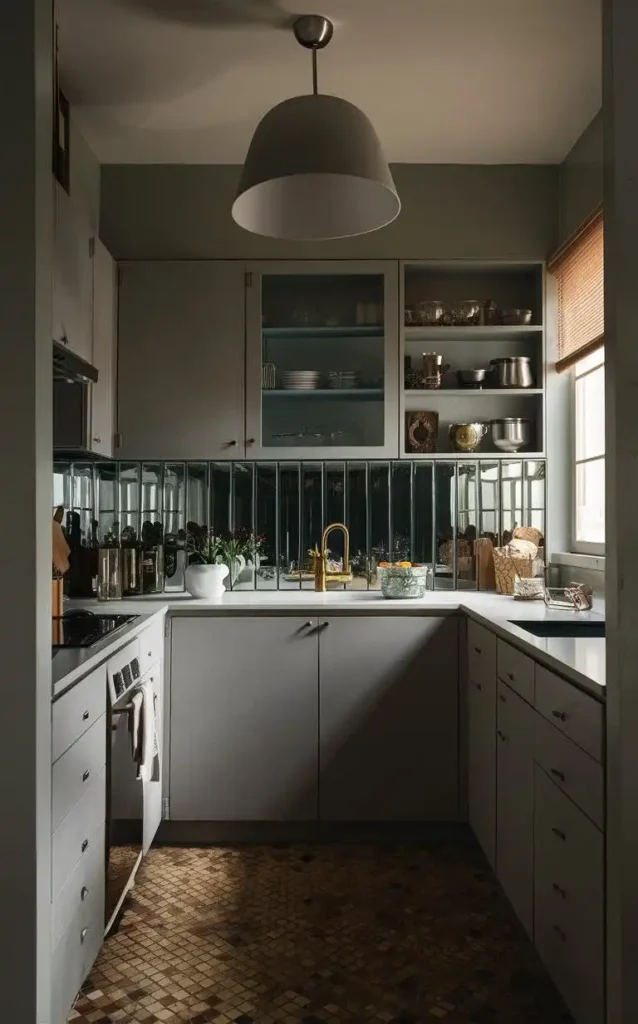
(124,789)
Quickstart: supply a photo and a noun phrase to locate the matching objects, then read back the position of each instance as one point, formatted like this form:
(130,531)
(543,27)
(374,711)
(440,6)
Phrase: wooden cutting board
(485,576)
(60,547)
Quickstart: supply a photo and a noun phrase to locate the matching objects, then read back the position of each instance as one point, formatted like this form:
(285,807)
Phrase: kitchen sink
(567,628)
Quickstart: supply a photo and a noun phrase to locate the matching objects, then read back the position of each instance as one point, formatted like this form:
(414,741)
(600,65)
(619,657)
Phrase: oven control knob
(118,683)
(135,668)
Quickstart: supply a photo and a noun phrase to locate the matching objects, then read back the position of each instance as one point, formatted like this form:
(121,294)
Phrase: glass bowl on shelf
(466,313)
(430,313)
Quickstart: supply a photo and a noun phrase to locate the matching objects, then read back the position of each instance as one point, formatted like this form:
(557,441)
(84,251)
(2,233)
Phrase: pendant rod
(315,88)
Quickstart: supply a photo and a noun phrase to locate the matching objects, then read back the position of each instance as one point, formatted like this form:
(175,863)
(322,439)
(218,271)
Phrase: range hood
(70,368)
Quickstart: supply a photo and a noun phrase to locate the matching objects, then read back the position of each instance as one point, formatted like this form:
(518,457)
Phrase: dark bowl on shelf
(471,378)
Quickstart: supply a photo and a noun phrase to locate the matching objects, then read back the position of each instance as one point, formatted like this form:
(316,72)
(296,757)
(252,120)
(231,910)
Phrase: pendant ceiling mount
(315,168)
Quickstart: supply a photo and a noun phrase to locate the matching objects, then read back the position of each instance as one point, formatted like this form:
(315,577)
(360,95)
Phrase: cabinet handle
(97,440)
(83,934)
(249,441)
(64,339)
(560,714)
(502,698)
(150,654)
(559,931)
(478,686)
(85,843)
(558,832)
(501,736)
(86,715)
(510,676)
(84,892)
(231,444)
(558,775)
(559,889)
(323,625)
(478,650)
(85,775)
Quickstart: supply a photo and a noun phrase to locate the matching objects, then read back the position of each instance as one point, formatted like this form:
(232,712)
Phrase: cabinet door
(388,719)
(72,276)
(243,719)
(481,762)
(181,360)
(153,789)
(104,351)
(322,359)
(515,803)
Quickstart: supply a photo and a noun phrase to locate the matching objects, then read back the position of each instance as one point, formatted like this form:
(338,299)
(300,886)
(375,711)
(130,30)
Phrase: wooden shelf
(498,333)
(471,392)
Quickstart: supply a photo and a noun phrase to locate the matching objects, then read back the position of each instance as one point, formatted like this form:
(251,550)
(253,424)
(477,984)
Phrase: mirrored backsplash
(427,512)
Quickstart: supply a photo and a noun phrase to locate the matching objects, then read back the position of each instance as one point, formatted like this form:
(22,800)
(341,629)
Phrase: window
(589,433)
(578,269)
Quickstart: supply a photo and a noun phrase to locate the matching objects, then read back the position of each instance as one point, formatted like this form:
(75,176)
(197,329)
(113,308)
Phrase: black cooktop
(84,628)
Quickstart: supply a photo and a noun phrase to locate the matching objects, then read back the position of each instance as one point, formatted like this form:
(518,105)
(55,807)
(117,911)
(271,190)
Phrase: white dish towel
(149,748)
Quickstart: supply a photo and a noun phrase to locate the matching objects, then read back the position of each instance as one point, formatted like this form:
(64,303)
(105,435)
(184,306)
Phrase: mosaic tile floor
(319,935)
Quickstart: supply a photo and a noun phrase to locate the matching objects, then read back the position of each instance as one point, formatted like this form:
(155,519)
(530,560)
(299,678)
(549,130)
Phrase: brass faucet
(320,559)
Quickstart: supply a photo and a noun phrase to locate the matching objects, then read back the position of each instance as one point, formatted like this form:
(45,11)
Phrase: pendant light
(315,168)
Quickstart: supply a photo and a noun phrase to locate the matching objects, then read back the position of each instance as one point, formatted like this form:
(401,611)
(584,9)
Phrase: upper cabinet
(104,351)
(72,276)
(322,359)
(181,360)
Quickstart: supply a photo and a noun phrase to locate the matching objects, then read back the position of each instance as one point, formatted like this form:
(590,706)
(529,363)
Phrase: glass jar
(109,575)
(430,312)
(467,313)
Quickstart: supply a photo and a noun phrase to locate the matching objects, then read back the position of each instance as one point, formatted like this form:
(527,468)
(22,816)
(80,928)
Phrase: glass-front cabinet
(322,360)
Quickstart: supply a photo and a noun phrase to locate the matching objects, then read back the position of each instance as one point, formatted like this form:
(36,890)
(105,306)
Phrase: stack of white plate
(300,380)
(345,379)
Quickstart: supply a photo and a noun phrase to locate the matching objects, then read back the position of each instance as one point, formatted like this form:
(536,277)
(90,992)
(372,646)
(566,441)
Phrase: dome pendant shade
(315,170)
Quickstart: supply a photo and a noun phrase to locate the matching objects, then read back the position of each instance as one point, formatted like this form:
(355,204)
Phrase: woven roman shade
(578,269)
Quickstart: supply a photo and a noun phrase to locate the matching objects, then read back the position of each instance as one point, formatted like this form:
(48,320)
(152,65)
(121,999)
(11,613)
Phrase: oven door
(125,807)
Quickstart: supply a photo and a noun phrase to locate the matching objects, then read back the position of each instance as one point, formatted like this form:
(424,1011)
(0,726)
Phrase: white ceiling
(444,81)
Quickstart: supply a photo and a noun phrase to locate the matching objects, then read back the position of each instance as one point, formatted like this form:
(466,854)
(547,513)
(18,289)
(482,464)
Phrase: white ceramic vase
(206,581)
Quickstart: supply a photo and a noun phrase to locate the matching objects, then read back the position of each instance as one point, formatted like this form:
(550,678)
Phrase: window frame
(581,547)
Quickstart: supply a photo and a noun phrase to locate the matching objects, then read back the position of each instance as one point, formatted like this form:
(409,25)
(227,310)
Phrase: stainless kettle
(512,372)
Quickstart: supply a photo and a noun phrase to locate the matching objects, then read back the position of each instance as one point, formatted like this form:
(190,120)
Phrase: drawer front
(77,710)
(571,769)
(152,645)
(580,717)
(72,839)
(84,885)
(569,900)
(74,772)
(74,955)
(481,654)
(516,669)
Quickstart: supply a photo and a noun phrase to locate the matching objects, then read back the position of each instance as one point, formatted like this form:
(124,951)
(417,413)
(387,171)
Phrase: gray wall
(84,174)
(580,180)
(181,211)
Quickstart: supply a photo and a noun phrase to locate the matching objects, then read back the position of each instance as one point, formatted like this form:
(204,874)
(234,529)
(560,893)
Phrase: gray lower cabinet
(481,761)
(181,360)
(244,729)
(515,803)
(388,719)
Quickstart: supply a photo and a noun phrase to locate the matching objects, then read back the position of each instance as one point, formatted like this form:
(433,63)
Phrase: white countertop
(581,660)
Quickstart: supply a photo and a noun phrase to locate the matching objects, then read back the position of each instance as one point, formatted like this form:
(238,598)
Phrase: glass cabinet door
(322,360)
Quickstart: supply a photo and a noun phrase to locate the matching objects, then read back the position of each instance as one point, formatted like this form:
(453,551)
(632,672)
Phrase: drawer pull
(85,843)
(559,889)
(560,834)
(86,716)
(502,698)
(150,654)
(559,931)
(478,650)
(83,934)
(510,676)
(502,736)
(86,775)
(478,686)
(558,775)
(84,892)
(560,714)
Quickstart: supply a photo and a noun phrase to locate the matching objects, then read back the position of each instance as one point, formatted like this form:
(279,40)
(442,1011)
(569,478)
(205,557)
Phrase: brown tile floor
(318,934)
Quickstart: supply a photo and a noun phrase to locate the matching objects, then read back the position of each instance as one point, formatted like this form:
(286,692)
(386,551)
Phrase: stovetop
(84,628)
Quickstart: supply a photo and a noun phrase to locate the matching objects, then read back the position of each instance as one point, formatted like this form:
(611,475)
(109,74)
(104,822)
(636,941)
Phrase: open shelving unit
(510,285)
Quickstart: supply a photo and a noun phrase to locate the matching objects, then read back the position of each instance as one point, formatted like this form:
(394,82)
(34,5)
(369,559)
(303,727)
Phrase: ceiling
(443,81)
